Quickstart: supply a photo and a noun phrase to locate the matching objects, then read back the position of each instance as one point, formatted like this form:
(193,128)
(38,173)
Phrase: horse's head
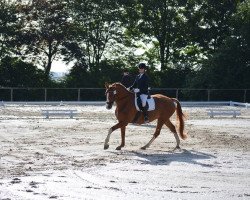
(115,91)
(110,95)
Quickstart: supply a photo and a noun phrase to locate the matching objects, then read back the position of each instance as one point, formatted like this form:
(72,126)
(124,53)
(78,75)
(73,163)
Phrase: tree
(46,25)
(209,22)
(8,27)
(241,24)
(80,76)
(182,31)
(16,73)
(156,20)
(96,27)
(229,65)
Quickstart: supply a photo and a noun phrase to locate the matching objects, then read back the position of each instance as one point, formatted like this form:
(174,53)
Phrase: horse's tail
(180,117)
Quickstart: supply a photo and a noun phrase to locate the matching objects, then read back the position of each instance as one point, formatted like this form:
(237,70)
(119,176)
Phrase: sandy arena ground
(63,158)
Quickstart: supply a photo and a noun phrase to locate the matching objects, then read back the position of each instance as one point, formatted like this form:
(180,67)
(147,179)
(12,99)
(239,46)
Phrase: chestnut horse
(125,113)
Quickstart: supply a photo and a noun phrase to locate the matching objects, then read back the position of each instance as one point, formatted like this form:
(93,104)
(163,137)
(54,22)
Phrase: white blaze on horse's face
(110,97)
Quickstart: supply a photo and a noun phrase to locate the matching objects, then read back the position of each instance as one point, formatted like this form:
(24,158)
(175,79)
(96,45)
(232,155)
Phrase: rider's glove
(136,90)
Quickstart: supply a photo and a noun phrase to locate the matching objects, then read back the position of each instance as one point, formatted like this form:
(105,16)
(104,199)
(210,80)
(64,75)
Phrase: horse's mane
(121,85)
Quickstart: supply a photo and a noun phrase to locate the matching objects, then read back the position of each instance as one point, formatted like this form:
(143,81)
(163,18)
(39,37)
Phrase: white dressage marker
(214,112)
(2,104)
(49,113)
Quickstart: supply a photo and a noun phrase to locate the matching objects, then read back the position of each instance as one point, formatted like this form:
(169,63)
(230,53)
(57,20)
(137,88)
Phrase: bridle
(112,91)
(108,93)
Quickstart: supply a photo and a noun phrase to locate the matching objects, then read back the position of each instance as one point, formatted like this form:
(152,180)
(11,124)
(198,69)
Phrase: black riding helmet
(142,66)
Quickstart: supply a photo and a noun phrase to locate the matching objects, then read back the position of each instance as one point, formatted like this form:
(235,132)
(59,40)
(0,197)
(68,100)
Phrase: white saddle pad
(151,104)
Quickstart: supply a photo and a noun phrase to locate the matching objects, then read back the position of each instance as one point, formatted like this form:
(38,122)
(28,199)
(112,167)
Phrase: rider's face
(141,71)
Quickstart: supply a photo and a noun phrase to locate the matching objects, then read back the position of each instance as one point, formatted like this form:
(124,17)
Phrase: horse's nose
(108,106)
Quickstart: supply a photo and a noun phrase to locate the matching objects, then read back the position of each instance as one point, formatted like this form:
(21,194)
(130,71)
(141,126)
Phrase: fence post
(11,94)
(45,94)
(245,96)
(177,93)
(208,95)
(79,94)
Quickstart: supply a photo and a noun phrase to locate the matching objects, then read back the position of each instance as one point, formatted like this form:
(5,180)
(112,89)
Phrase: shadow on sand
(165,158)
(182,155)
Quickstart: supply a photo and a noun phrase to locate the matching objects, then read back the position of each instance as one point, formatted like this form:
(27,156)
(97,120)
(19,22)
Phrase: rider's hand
(136,90)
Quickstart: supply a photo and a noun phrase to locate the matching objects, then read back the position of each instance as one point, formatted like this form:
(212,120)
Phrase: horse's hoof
(118,148)
(143,148)
(106,146)
(177,148)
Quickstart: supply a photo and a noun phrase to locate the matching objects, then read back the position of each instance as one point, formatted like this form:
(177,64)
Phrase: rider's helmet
(125,69)
(142,66)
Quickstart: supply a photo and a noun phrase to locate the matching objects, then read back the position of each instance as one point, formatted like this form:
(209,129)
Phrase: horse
(126,110)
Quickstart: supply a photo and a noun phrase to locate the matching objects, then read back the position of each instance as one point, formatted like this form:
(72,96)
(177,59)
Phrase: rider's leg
(145,112)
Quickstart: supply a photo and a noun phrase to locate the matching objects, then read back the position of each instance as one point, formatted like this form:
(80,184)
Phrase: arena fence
(98,94)
(102,103)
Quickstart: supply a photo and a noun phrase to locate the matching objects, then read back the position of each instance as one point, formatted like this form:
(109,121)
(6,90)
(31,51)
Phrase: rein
(116,99)
(122,98)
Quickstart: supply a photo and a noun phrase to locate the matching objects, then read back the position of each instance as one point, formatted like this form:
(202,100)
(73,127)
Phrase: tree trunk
(162,56)
(48,67)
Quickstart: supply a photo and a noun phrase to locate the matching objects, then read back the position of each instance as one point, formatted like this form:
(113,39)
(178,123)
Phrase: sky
(59,66)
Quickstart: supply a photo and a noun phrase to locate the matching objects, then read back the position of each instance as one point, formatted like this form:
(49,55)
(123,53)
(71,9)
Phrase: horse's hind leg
(172,128)
(123,129)
(156,134)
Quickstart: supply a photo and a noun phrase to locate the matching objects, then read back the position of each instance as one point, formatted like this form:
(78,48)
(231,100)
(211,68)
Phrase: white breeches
(143,99)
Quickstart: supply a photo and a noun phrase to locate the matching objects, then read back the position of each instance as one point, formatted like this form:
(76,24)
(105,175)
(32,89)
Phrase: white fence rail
(102,103)
(53,103)
(232,103)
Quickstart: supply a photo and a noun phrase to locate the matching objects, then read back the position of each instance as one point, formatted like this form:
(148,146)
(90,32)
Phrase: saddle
(150,104)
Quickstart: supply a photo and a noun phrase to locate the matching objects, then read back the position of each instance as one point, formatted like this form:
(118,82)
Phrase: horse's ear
(106,85)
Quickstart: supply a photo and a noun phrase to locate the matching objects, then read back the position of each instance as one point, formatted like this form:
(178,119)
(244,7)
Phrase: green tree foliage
(46,26)
(175,78)
(184,30)
(187,43)
(97,28)
(229,65)
(108,71)
(16,73)
(209,22)
(241,23)
(9,27)
(154,19)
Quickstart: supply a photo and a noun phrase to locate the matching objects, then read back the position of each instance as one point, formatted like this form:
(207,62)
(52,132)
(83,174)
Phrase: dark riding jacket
(141,82)
(127,80)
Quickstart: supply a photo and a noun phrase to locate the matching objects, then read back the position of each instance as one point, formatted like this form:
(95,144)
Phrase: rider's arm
(134,84)
(144,85)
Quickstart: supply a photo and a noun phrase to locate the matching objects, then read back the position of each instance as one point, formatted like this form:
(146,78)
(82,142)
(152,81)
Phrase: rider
(141,83)
(127,79)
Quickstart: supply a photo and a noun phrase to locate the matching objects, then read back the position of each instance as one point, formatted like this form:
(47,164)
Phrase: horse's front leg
(113,128)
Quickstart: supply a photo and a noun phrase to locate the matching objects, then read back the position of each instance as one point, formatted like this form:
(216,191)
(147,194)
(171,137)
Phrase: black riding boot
(145,113)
